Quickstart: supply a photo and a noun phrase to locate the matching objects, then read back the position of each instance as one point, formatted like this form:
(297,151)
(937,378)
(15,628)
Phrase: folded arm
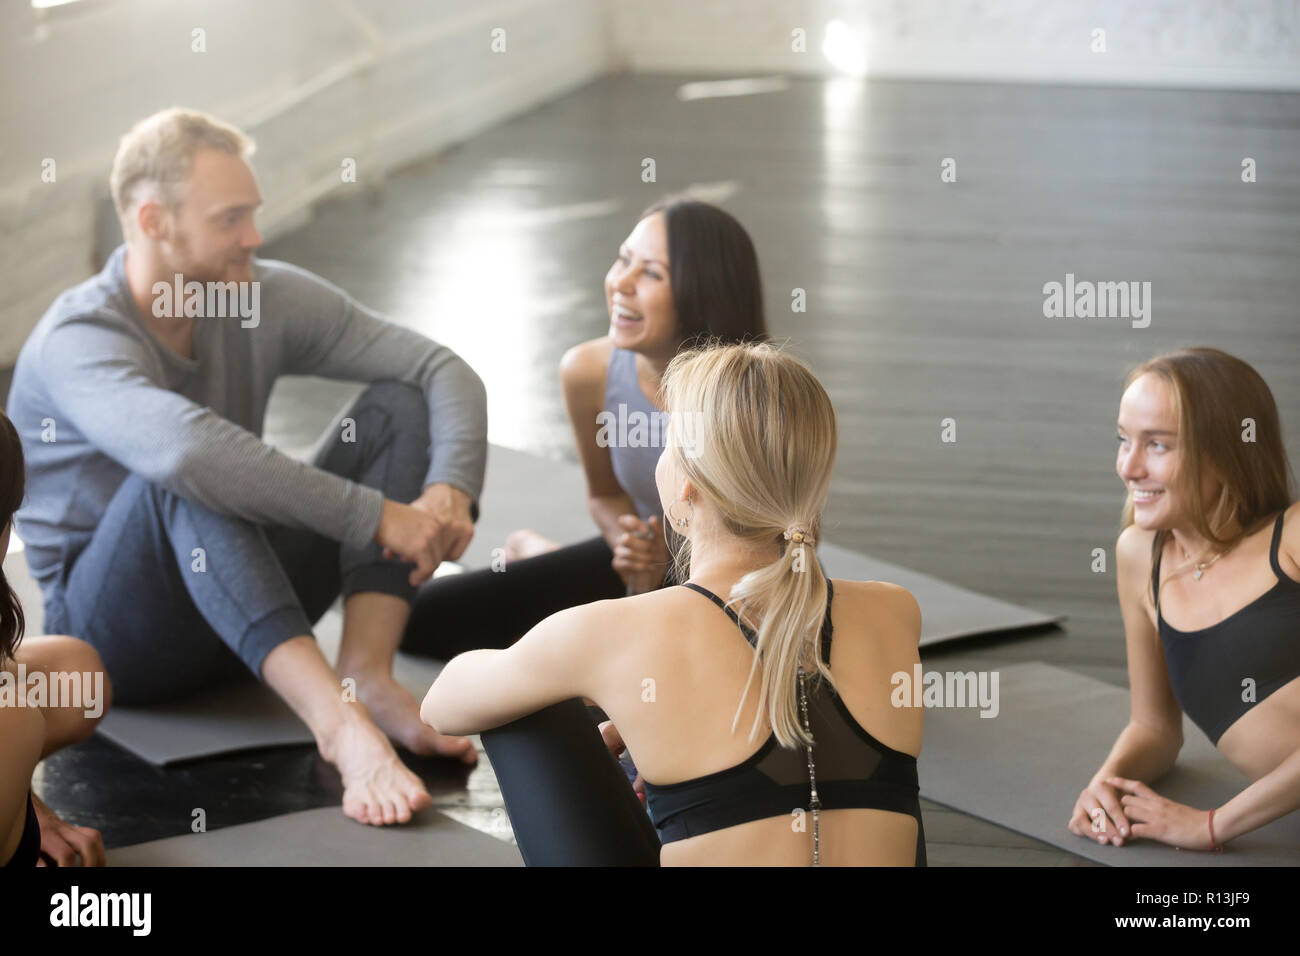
(101,377)
(1272,796)
(329,334)
(567,655)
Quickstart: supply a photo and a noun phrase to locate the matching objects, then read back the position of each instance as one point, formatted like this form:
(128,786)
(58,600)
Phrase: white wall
(312,81)
(388,81)
(1194,43)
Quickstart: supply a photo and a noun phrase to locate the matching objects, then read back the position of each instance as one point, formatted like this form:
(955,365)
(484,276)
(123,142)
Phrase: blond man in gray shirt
(165,532)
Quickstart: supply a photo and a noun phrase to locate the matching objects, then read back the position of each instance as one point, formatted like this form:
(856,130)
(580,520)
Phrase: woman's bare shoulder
(1133,555)
(885,624)
(1289,546)
(1134,544)
(586,362)
(889,608)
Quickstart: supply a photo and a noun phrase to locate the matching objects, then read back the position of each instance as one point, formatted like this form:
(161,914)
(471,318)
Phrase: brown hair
(1213,394)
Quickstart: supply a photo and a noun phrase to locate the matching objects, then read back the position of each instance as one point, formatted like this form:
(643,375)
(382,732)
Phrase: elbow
(429,714)
(1168,756)
(474,393)
(1171,735)
(434,711)
(472,384)
(167,468)
(1166,741)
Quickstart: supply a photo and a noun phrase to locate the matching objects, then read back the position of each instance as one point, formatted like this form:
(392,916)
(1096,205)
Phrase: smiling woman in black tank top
(1209,587)
(765,735)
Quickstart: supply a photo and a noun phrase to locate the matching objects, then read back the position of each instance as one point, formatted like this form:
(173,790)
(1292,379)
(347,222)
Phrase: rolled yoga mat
(1024,768)
(522,490)
(325,837)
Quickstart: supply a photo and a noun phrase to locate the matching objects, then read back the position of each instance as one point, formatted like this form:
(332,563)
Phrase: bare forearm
(1139,754)
(1271,796)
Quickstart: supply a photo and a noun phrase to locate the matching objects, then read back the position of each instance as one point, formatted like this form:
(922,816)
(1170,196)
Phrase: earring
(681,523)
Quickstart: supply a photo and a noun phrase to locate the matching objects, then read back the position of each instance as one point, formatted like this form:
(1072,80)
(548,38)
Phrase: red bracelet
(1214,845)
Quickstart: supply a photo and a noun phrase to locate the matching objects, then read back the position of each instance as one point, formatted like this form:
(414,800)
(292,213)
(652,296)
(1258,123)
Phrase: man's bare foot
(527,543)
(377,787)
(397,712)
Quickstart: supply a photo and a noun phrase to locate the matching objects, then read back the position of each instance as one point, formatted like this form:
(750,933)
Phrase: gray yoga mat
(241,715)
(947,611)
(521,491)
(1024,768)
(325,837)
(525,491)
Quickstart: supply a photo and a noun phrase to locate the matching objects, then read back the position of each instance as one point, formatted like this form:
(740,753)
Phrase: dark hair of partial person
(12,483)
(1213,394)
(717,288)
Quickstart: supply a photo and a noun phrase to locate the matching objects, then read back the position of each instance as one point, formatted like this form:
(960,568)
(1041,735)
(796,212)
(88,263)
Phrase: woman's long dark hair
(12,483)
(717,289)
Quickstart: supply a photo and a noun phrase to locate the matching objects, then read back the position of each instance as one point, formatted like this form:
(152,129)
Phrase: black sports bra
(1260,642)
(854,770)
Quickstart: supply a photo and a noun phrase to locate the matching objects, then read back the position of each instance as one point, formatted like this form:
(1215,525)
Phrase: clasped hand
(640,553)
(614,741)
(434,527)
(1127,809)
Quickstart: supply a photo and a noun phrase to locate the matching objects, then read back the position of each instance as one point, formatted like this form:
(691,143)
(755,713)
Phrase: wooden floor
(925,301)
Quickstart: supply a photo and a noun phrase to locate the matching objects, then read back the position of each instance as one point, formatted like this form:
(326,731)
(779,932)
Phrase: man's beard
(197,271)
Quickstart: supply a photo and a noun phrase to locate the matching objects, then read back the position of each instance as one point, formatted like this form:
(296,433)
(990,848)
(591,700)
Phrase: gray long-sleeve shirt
(96,396)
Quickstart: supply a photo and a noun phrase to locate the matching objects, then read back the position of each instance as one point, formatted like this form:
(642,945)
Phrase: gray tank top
(633,432)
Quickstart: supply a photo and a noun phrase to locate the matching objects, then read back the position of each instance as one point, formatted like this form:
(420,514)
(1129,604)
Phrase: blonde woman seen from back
(713,714)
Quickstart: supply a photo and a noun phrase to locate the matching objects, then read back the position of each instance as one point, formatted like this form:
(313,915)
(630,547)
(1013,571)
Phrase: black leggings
(486,608)
(570,802)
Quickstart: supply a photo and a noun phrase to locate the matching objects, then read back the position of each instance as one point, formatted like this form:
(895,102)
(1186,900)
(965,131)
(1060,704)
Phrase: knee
(103,685)
(65,659)
(97,690)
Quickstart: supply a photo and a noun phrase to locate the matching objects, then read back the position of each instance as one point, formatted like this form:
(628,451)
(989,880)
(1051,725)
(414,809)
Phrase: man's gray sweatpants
(176,596)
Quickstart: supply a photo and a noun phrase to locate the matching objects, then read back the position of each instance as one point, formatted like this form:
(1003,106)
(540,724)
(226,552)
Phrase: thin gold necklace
(1201,565)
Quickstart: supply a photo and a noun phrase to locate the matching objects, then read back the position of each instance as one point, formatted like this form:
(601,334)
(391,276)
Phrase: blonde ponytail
(789,598)
(763,447)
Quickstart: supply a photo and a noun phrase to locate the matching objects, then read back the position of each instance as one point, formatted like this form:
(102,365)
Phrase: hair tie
(799,534)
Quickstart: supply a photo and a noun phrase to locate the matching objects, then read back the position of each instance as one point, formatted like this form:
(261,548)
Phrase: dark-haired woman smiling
(1208,569)
(30,833)
(688,270)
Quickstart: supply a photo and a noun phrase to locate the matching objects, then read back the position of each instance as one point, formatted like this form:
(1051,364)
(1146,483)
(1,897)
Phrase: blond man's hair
(155,157)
